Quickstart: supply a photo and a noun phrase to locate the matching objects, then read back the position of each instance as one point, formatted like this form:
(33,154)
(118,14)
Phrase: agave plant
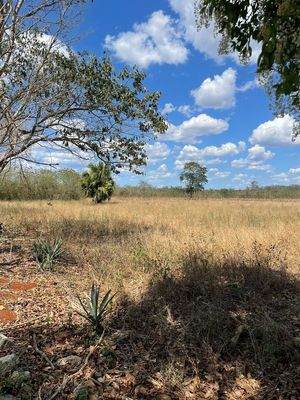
(94,308)
(46,253)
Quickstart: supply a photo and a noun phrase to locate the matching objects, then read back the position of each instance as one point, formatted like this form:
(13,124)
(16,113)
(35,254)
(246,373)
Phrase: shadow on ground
(233,330)
(227,330)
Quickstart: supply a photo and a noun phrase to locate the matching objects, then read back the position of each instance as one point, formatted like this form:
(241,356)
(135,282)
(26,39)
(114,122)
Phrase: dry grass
(130,238)
(207,288)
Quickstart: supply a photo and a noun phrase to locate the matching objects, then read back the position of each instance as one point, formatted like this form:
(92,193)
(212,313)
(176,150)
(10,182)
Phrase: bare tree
(53,96)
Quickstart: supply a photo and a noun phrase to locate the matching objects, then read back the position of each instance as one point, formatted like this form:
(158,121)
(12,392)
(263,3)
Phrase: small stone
(81,392)
(8,363)
(3,340)
(69,362)
(163,397)
(20,376)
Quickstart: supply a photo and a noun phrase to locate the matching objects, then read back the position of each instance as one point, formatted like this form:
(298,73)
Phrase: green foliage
(28,184)
(46,253)
(275,24)
(97,182)
(194,177)
(253,185)
(94,308)
(266,192)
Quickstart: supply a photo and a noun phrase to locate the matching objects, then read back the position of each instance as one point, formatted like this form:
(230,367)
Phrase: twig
(41,353)
(67,378)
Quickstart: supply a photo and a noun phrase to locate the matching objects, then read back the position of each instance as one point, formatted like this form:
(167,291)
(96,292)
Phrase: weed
(46,253)
(94,309)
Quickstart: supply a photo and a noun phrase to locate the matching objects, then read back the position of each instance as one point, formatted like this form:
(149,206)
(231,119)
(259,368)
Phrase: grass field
(207,291)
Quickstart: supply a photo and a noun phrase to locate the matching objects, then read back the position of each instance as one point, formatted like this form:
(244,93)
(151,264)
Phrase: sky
(218,115)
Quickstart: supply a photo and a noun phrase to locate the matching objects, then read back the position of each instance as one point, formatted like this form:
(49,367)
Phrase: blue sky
(217,113)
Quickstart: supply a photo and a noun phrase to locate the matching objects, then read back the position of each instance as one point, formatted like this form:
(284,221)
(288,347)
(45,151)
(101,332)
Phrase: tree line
(67,184)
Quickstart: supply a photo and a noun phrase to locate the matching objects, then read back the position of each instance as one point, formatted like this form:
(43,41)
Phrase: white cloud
(215,161)
(218,93)
(168,108)
(277,132)
(225,149)
(294,170)
(61,157)
(259,153)
(223,174)
(157,152)
(201,155)
(185,110)
(160,173)
(213,170)
(255,160)
(195,127)
(239,177)
(282,177)
(205,40)
(156,41)
(248,86)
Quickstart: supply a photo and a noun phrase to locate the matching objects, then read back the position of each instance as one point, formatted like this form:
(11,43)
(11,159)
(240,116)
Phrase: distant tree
(144,185)
(275,25)
(253,185)
(97,182)
(194,177)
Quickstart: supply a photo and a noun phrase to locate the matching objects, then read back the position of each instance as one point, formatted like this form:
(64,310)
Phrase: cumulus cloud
(160,173)
(248,86)
(226,149)
(201,155)
(217,93)
(157,152)
(205,40)
(239,177)
(255,160)
(282,177)
(223,174)
(184,109)
(50,155)
(190,130)
(156,41)
(168,108)
(294,170)
(277,132)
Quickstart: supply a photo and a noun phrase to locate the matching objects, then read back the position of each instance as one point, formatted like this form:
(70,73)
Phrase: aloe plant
(95,308)
(46,253)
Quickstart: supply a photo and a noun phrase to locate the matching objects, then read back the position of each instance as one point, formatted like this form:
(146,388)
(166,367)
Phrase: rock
(8,363)
(69,362)
(3,340)
(20,376)
(7,397)
(81,392)
(163,397)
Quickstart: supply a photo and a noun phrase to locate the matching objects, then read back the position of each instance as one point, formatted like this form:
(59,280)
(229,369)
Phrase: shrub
(94,309)
(46,253)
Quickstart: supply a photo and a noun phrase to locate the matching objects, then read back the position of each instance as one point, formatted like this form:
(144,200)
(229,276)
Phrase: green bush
(94,309)
(46,253)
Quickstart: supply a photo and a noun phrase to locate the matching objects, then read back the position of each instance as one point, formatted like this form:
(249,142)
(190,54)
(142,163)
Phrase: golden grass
(124,241)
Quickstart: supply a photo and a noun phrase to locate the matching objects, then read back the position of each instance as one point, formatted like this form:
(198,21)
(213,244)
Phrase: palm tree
(97,182)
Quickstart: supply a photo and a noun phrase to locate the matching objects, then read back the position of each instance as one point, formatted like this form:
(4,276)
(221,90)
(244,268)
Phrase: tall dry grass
(127,240)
